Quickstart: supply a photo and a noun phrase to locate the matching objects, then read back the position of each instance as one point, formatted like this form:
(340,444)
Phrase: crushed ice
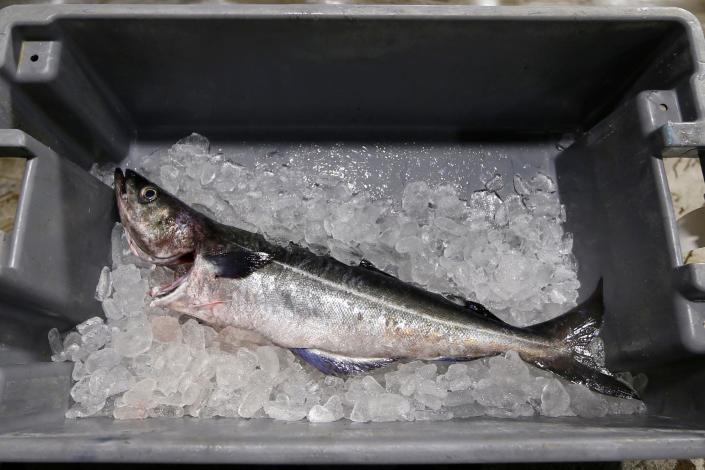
(510,254)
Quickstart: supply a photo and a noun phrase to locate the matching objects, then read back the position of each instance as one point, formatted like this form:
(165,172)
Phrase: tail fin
(576,329)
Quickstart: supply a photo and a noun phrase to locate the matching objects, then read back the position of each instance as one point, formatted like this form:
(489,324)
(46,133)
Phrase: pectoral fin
(237,262)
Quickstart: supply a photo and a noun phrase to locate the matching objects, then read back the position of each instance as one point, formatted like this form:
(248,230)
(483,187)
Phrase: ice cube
(81,393)
(104,172)
(177,358)
(105,358)
(94,336)
(585,403)
(194,144)
(84,410)
(343,252)
(360,412)
(430,387)
(335,403)
(457,377)
(332,381)
(231,338)
(495,183)
(166,411)
(120,380)
(127,279)
(388,407)
(315,234)
(129,412)
(543,204)
(209,335)
(166,329)
(409,245)
(89,325)
(430,401)
(170,177)
(100,383)
(194,336)
(501,215)
(56,346)
(543,183)
(208,173)
(191,394)
(555,400)
(370,385)
(120,251)
(253,401)
(72,347)
(320,414)
(132,341)
(112,310)
(521,187)
(446,202)
(508,368)
(140,394)
(227,178)
(448,225)
(104,287)
(268,360)
(284,411)
(459,398)
(233,374)
(78,371)
(625,406)
(416,197)
(427,371)
(486,202)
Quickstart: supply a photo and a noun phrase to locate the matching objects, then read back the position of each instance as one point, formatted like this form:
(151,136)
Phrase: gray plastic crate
(596,97)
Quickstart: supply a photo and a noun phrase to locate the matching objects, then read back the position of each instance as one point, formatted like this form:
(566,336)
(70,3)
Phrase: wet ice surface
(510,254)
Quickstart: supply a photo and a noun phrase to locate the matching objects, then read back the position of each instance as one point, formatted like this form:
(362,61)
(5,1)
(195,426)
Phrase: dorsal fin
(368,265)
(475,308)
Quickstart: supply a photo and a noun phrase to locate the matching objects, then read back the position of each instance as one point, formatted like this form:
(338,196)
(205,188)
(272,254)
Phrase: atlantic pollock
(341,319)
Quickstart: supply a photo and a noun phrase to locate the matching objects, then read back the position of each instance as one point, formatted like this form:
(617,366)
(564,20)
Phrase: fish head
(159,228)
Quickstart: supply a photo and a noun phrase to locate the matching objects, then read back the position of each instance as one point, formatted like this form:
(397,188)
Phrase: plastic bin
(594,96)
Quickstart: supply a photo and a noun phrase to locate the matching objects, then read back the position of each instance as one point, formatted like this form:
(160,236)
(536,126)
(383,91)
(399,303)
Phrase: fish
(341,319)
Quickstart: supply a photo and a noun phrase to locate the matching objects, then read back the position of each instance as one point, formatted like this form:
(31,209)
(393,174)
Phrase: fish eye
(148,193)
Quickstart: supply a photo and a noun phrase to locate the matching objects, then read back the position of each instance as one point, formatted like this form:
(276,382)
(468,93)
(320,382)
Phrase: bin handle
(61,237)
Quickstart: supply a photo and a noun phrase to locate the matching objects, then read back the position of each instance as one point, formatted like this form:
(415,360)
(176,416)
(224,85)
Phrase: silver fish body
(337,317)
(300,300)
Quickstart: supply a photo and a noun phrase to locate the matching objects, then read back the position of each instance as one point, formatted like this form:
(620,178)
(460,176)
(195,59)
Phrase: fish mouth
(161,292)
(167,294)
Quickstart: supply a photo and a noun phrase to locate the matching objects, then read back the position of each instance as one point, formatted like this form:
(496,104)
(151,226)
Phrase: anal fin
(335,364)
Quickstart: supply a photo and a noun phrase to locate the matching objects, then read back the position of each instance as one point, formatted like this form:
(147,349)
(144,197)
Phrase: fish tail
(575,330)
